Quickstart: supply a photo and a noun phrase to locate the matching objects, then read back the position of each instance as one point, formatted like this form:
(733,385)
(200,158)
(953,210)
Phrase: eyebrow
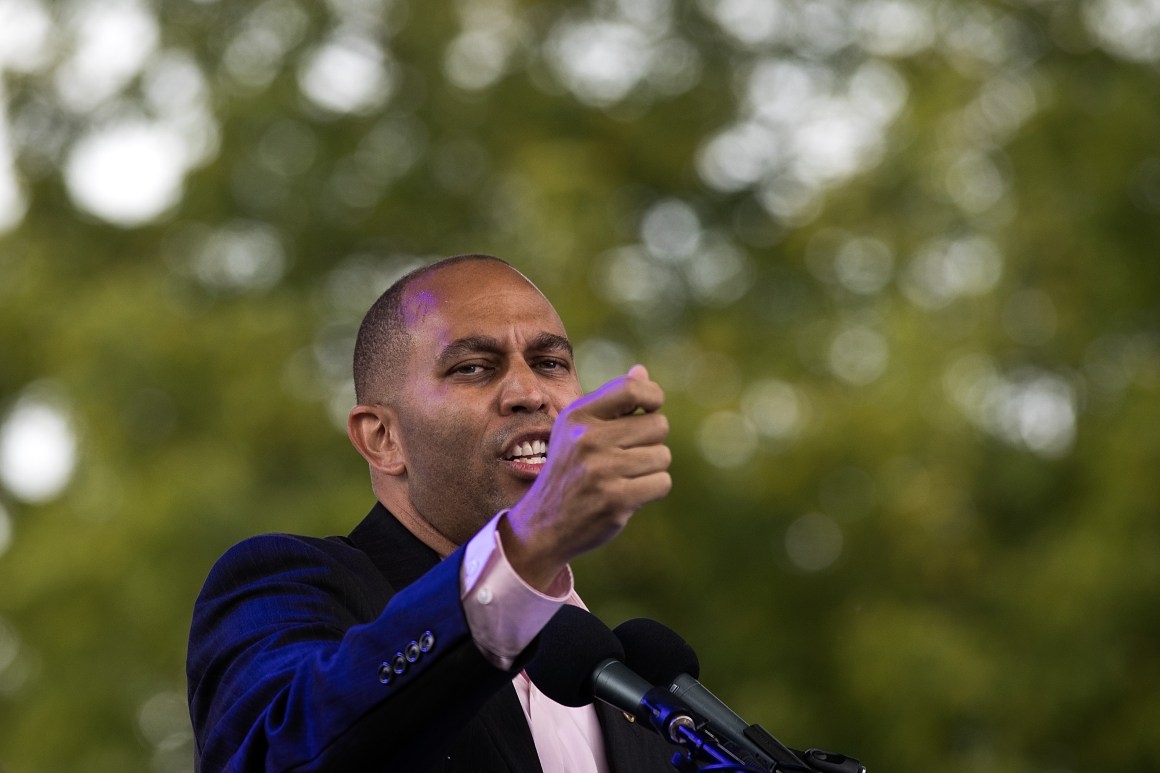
(544,342)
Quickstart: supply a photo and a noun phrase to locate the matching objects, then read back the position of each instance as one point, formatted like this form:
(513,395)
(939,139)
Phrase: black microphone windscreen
(571,645)
(655,651)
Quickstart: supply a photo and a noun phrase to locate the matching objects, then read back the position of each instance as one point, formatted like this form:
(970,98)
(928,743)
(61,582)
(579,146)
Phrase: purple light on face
(420,305)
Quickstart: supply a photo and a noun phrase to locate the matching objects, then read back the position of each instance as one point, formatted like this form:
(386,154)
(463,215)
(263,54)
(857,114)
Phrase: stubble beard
(456,507)
(454,494)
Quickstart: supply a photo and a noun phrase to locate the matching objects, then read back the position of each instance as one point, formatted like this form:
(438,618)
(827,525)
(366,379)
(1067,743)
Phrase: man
(400,646)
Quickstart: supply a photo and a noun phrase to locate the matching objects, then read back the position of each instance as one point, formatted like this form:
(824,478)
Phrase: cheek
(456,426)
(434,425)
(565,394)
(447,428)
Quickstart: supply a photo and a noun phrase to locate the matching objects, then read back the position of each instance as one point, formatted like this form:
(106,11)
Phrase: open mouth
(529,452)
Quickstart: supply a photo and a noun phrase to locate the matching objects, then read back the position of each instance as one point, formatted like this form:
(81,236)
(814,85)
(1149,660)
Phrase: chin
(514,495)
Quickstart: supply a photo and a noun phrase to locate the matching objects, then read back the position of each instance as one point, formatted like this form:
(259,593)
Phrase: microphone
(659,652)
(655,651)
(572,646)
(579,659)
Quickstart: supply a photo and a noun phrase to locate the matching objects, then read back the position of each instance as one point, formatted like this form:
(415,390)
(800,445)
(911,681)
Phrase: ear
(374,431)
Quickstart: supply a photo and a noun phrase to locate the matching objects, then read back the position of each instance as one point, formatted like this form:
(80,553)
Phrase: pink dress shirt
(504,614)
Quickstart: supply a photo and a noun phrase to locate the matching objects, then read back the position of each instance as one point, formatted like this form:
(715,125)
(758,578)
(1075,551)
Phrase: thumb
(638,372)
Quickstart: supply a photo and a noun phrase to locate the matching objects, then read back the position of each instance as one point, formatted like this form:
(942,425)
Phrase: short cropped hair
(383,342)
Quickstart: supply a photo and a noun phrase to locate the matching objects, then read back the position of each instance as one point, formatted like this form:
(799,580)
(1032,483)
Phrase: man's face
(489,369)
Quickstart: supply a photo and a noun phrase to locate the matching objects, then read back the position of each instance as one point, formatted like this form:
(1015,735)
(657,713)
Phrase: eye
(467,369)
(552,364)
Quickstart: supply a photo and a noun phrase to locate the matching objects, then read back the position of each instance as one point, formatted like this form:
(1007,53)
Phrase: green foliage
(912,354)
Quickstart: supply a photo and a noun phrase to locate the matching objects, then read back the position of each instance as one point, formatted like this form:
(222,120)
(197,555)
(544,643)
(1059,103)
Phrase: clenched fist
(606,457)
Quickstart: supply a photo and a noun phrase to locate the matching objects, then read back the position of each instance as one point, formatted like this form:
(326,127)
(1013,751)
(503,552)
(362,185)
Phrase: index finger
(624,395)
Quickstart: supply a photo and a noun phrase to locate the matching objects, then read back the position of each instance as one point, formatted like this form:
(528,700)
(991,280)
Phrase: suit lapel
(631,747)
(397,553)
(504,719)
(402,559)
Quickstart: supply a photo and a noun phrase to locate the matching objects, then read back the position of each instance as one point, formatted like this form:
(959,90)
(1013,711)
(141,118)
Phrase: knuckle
(585,440)
(617,491)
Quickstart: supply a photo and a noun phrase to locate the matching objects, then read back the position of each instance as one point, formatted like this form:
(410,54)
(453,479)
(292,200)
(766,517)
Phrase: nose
(522,390)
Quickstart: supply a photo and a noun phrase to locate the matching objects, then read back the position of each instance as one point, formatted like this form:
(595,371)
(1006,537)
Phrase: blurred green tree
(894,261)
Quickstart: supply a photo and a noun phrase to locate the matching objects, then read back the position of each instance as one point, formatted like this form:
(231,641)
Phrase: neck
(420,528)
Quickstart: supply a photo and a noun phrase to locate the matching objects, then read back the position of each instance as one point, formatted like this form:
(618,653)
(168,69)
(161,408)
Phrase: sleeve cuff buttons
(412,653)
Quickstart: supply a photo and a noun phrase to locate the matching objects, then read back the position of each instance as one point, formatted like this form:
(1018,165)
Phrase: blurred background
(895,263)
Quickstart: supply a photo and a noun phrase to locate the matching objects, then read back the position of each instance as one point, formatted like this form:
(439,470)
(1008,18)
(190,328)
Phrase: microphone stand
(676,724)
(786,759)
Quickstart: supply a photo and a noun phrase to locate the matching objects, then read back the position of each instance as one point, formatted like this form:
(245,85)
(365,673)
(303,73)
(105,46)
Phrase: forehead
(475,298)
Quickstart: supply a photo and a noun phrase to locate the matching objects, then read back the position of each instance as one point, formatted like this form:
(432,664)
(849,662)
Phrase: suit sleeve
(295,665)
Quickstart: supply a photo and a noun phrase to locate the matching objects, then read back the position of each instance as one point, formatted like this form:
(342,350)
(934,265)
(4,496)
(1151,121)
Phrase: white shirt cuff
(504,613)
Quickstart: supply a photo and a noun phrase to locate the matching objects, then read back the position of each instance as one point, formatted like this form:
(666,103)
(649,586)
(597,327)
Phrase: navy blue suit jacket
(353,653)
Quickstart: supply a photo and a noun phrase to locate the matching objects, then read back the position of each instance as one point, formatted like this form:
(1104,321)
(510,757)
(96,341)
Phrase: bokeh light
(9,647)
(257,50)
(163,721)
(1029,408)
(751,22)
(776,408)
(109,43)
(864,266)
(895,28)
(603,59)
(859,355)
(727,439)
(242,255)
(948,269)
(5,531)
(483,51)
(803,128)
(127,173)
(349,73)
(38,445)
(671,231)
(1127,28)
(813,542)
(25,34)
(13,203)
(598,361)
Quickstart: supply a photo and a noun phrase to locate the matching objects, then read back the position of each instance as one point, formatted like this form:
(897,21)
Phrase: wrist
(533,565)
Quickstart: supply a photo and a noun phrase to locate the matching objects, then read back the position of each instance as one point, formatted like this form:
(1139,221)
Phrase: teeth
(534,451)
